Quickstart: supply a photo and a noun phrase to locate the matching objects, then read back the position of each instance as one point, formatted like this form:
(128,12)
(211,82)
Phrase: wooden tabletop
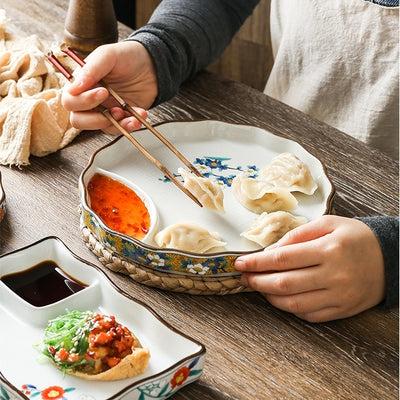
(254,351)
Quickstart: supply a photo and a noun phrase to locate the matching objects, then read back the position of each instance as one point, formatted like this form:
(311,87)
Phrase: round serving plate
(220,151)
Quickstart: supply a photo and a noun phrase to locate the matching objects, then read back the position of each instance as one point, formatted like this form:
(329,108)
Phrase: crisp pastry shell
(131,365)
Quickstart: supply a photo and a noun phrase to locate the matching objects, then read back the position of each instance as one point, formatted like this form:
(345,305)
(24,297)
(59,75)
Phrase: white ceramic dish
(22,375)
(220,151)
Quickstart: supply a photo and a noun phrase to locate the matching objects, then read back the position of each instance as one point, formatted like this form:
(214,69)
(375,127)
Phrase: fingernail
(99,95)
(130,126)
(239,264)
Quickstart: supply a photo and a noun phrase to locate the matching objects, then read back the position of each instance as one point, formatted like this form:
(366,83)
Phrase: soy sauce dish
(44,280)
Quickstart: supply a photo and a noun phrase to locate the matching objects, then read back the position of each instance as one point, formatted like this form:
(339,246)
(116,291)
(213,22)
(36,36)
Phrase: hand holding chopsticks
(125,106)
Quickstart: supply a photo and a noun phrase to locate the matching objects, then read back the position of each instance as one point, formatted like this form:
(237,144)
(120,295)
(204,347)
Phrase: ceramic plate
(220,151)
(176,359)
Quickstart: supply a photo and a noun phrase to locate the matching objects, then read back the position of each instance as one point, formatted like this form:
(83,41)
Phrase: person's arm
(184,36)
(386,229)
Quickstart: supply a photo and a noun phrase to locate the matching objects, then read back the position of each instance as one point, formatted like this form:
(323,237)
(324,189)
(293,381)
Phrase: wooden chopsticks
(106,112)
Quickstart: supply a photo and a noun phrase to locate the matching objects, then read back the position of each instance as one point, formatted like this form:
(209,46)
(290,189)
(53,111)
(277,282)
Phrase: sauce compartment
(24,275)
(121,185)
(43,284)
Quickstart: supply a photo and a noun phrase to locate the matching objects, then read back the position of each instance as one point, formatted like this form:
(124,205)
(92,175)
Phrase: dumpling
(268,228)
(209,194)
(188,236)
(259,196)
(286,170)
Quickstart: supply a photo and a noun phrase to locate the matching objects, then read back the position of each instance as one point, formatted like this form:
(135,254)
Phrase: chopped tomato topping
(62,354)
(89,356)
(73,357)
(100,338)
(112,361)
(109,341)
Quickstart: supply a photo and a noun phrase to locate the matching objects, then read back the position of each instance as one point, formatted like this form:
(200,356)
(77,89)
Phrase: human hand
(327,269)
(128,69)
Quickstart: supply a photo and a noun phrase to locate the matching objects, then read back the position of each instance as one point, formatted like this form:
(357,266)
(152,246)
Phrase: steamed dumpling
(209,194)
(259,196)
(188,236)
(286,170)
(269,228)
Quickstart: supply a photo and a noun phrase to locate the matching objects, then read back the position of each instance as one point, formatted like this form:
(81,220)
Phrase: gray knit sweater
(185,36)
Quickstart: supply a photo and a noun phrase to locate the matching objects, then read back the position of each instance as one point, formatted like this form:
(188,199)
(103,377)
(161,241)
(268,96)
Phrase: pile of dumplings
(270,196)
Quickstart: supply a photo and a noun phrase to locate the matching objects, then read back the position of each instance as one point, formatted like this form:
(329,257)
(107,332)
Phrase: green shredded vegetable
(70,332)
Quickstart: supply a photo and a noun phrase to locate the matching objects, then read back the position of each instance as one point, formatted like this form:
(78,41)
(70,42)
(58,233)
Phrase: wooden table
(254,351)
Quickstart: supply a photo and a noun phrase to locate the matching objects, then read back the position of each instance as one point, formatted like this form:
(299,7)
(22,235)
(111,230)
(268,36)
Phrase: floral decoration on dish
(219,170)
(166,261)
(48,393)
(220,151)
(157,389)
(176,359)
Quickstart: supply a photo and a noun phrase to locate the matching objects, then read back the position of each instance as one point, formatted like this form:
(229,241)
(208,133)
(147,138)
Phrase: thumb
(97,65)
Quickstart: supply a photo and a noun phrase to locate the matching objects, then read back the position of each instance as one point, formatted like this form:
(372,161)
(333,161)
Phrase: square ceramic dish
(220,151)
(175,359)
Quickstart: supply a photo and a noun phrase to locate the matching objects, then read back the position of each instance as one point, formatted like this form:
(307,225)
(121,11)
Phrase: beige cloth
(32,118)
(338,60)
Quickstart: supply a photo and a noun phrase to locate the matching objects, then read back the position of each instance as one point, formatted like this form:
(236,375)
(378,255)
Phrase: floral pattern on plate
(157,389)
(175,359)
(216,169)
(220,151)
(49,393)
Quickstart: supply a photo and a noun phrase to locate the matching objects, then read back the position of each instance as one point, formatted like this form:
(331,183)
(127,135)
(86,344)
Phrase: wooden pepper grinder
(89,24)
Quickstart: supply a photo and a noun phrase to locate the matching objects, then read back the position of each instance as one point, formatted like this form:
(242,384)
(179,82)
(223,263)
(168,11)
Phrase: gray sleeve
(184,36)
(386,230)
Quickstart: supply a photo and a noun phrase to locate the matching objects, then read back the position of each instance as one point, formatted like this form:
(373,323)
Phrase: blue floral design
(216,167)
(207,266)
(212,163)
(164,388)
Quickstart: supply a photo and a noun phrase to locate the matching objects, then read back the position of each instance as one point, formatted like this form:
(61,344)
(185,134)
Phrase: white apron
(338,61)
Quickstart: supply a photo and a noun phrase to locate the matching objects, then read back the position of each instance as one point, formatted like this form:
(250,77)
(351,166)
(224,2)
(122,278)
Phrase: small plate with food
(65,325)
(256,186)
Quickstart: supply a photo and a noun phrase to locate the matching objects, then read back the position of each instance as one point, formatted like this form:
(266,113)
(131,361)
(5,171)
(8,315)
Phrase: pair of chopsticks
(125,106)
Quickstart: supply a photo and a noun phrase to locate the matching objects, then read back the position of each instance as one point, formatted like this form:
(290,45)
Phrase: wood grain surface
(254,351)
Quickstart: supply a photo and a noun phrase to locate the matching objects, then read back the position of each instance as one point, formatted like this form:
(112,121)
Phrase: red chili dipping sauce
(118,206)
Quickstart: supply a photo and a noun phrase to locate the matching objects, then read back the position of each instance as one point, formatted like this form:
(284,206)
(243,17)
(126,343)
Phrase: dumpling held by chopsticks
(209,193)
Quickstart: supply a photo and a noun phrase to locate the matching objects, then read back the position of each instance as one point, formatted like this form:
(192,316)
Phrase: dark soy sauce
(42,284)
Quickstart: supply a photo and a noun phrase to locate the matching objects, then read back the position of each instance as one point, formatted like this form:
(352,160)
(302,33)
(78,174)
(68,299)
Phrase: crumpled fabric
(32,118)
